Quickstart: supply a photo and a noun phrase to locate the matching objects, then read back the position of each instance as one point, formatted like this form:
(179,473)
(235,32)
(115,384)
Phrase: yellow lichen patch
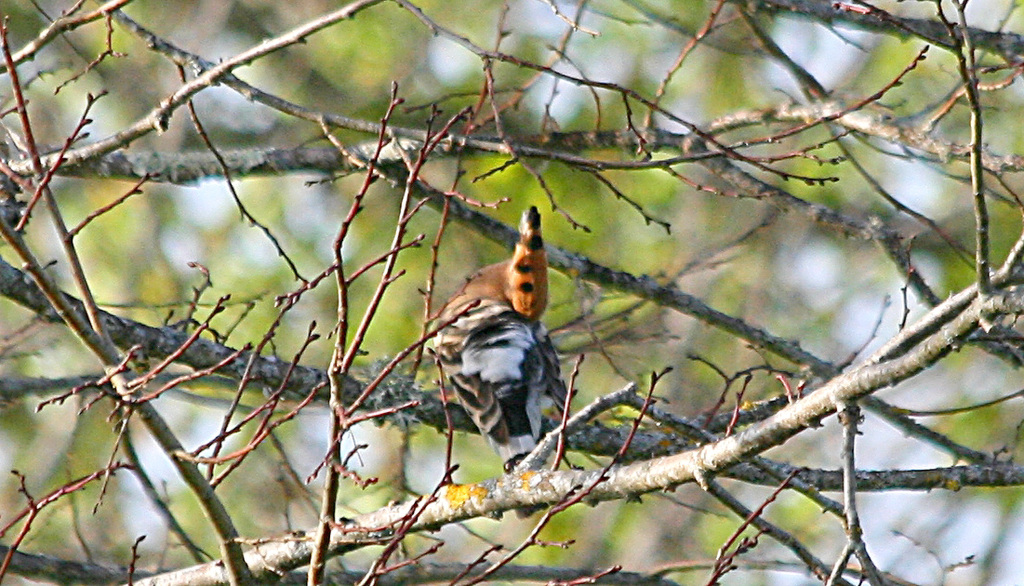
(458,494)
(525,479)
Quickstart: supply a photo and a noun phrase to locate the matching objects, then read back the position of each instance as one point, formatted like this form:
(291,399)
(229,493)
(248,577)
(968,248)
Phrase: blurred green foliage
(778,270)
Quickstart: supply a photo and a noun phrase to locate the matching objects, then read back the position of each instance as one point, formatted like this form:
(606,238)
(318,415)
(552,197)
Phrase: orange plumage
(522,282)
(528,269)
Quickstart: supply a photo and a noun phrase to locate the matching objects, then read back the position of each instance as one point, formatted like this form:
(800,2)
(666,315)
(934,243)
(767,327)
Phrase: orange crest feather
(527,286)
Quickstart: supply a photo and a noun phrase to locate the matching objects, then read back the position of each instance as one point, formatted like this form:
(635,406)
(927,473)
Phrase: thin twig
(963,48)
(817,567)
(849,416)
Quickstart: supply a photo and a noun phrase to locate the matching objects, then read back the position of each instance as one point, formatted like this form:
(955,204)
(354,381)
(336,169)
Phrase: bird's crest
(527,286)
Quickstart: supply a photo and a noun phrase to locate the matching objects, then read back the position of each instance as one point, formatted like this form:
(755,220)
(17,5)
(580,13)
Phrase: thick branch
(1008,45)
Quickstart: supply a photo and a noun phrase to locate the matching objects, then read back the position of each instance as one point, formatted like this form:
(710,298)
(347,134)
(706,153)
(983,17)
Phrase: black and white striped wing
(501,365)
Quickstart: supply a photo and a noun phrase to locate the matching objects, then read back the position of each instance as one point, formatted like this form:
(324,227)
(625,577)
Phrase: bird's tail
(528,271)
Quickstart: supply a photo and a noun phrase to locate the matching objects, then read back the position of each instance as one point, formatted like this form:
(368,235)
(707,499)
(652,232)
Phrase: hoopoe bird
(497,355)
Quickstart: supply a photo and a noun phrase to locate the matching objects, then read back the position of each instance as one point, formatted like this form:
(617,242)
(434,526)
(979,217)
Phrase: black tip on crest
(531,219)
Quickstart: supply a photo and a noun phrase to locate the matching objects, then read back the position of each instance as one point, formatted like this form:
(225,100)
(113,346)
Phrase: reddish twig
(566,407)
(340,358)
(725,558)
(108,49)
(428,290)
(32,510)
(739,404)
(683,54)
(106,208)
(44,182)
